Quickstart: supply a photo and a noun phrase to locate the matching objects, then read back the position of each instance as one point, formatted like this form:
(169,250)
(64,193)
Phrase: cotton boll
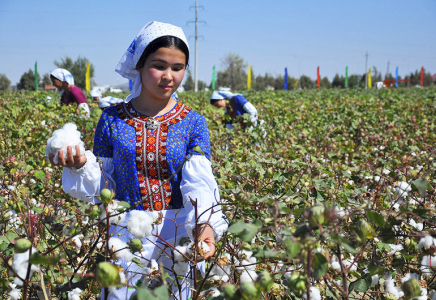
(395,248)
(402,189)
(178,254)
(374,281)
(181,268)
(213,291)
(425,264)
(410,276)
(140,224)
(115,216)
(77,242)
(392,289)
(20,265)
(74,294)
(426,242)
(15,293)
(315,294)
(68,135)
(248,276)
(120,249)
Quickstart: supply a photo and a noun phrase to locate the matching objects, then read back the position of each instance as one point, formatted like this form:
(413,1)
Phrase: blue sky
(268,35)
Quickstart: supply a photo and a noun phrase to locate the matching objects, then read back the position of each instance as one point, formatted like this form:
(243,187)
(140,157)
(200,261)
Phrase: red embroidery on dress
(151,152)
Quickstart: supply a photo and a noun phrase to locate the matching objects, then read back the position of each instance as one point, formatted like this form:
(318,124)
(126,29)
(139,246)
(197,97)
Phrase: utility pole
(196,41)
(366,71)
(387,71)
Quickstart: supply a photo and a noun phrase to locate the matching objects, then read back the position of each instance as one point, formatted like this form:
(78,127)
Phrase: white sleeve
(198,184)
(87,181)
(249,108)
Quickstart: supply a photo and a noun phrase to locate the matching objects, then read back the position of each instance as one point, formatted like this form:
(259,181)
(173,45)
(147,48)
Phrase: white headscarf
(63,75)
(96,93)
(219,95)
(127,65)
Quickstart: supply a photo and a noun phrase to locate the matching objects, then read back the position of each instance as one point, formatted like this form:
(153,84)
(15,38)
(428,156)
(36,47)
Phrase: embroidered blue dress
(144,158)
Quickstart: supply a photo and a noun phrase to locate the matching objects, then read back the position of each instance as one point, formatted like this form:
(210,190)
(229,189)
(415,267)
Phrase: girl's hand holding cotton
(67,140)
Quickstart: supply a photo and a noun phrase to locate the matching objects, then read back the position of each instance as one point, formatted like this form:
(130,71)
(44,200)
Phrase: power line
(196,39)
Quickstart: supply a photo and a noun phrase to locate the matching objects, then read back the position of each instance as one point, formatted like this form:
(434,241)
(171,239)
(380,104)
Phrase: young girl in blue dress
(149,148)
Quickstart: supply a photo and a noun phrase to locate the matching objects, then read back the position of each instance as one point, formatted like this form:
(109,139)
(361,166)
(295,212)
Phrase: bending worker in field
(64,81)
(235,105)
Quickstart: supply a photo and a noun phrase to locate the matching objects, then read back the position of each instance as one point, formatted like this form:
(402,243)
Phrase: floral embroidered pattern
(151,153)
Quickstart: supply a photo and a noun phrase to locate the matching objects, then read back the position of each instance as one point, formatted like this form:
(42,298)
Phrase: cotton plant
(115,217)
(74,294)
(68,135)
(20,265)
(120,249)
(141,223)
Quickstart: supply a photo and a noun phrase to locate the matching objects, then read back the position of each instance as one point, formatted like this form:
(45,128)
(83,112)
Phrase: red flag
(318,81)
(422,76)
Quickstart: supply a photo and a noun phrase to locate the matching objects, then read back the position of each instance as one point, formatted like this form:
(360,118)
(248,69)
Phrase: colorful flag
(286,79)
(422,76)
(213,78)
(346,76)
(369,78)
(130,84)
(396,78)
(88,78)
(36,76)
(249,78)
(318,81)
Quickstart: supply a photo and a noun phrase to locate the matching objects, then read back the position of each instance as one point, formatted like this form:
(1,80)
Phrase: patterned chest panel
(151,153)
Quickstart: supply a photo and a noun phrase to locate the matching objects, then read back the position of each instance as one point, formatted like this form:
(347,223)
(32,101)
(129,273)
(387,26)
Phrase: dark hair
(213,101)
(166,41)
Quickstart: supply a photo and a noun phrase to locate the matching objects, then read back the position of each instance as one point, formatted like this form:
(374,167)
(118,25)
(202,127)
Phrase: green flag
(213,78)
(346,76)
(36,75)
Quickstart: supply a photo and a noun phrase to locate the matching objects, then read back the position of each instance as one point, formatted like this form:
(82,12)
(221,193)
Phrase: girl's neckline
(155,117)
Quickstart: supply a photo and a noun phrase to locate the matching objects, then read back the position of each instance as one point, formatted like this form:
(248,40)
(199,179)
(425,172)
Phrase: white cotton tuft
(68,135)
(426,242)
(212,291)
(15,293)
(181,267)
(374,281)
(410,276)
(425,264)
(402,189)
(315,294)
(248,276)
(115,216)
(140,224)
(418,226)
(392,289)
(77,242)
(395,248)
(74,294)
(178,253)
(20,264)
(120,249)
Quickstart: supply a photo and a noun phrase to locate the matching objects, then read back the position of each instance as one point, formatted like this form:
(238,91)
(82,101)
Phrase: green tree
(306,82)
(77,69)
(355,81)
(262,82)
(189,82)
(27,81)
(46,79)
(338,81)
(5,83)
(325,83)
(234,75)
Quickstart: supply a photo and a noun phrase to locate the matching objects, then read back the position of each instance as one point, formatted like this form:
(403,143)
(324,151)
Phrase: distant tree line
(234,76)
(77,68)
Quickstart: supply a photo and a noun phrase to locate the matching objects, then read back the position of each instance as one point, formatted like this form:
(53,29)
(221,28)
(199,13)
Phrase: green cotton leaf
(124,204)
(39,259)
(320,266)
(198,149)
(421,185)
(144,293)
(349,248)
(292,248)
(139,262)
(376,218)
(39,175)
(266,253)
(246,231)
(161,293)
(38,210)
(362,284)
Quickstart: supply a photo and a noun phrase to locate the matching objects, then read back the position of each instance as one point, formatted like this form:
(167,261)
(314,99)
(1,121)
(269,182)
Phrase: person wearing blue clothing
(235,105)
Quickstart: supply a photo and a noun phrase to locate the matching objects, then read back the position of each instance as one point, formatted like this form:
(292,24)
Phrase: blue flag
(130,84)
(396,78)
(286,79)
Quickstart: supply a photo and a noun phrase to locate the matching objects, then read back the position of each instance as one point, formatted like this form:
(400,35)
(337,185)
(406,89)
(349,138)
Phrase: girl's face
(162,73)
(56,82)
(220,103)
